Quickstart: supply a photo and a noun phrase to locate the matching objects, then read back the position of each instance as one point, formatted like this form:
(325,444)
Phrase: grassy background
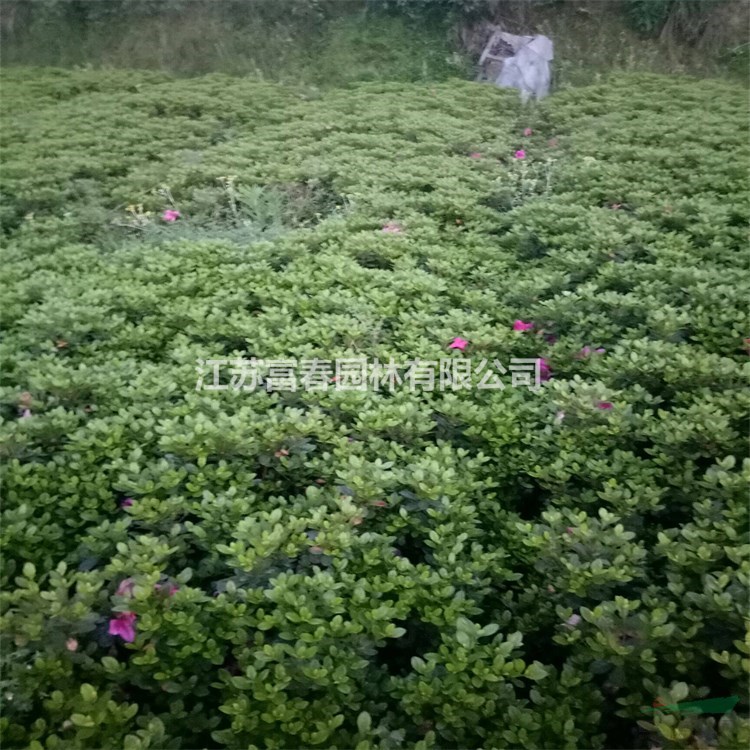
(333,43)
(345,44)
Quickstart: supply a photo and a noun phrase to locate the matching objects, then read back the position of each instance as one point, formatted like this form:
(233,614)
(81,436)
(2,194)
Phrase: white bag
(524,60)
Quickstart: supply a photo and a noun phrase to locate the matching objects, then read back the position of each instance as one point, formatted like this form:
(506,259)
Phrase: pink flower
(573,621)
(520,154)
(392,227)
(171,215)
(527,132)
(475,155)
(126,502)
(380,503)
(569,530)
(605,405)
(458,343)
(125,588)
(71,644)
(545,371)
(520,325)
(26,414)
(124,626)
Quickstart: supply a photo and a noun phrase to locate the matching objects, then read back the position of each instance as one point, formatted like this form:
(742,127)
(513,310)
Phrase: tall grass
(346,44)
(335,42)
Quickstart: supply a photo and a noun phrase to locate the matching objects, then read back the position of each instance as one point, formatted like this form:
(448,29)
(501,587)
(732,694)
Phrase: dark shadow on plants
(531,500)
(412,547)
(396,655)
(373,260)
(530,247)
(500,200)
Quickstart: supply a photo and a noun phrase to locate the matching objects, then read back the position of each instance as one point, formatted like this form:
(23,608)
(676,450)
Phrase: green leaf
(364,722)
(666,731)
(535,671)
(88,692)
(82,721)
(679,691)
(110,664)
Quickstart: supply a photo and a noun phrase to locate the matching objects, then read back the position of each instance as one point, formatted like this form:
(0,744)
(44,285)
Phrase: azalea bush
(526,567)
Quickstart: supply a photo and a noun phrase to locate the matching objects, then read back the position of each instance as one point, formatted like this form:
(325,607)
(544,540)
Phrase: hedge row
(458,568)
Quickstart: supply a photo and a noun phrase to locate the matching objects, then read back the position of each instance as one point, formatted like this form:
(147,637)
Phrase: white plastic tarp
(528,68)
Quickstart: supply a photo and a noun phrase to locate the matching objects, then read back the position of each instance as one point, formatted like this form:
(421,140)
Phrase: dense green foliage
(469,568)
(333,42)
(317,43)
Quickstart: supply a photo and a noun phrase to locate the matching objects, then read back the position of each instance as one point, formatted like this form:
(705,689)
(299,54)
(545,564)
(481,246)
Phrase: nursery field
(271,478)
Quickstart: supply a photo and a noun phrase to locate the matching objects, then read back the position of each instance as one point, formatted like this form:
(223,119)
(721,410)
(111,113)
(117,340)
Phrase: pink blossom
(171,215)
(475,155)
(605,405)
(600,350)
(527,132)
(26,414)
(458,343)
(392,227)
(126,502)
(71,644)
(569,530)
(125,588)
(573,621)
(520,154)
(380,503)
(545,371)
(124,626)
(520,325)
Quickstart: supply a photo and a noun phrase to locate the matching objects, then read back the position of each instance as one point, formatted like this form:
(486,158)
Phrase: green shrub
(372,569)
